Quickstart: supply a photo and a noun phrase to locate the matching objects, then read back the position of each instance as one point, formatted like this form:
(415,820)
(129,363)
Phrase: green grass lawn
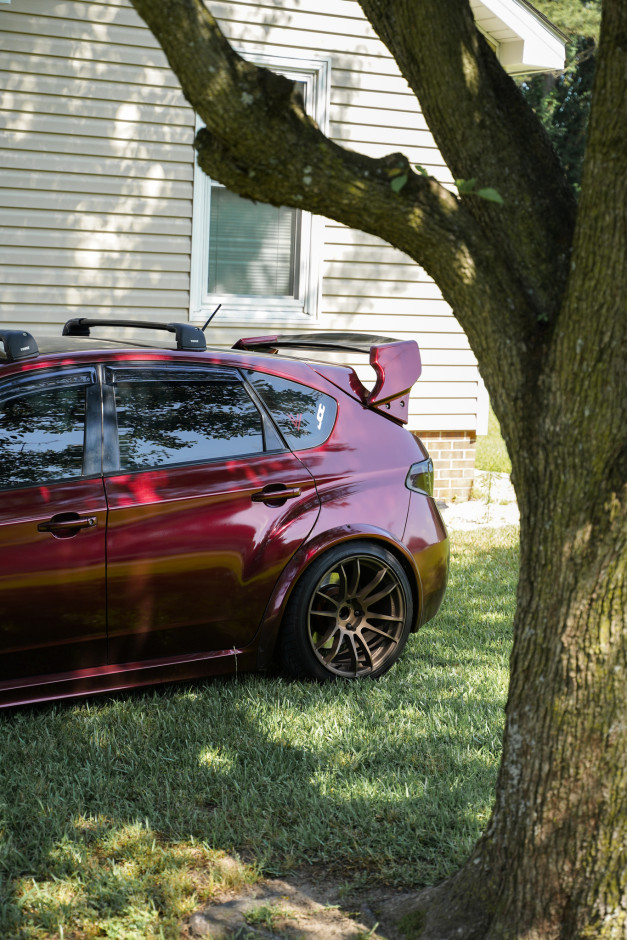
(116,813)
(491,453)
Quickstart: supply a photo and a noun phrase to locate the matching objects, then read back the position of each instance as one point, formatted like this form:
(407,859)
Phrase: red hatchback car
(174,513)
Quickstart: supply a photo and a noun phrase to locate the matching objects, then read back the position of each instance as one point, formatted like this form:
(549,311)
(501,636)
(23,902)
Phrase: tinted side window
(42,430)
(304,415)
(169,416)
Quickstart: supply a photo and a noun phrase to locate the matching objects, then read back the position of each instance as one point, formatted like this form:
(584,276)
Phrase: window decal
(304,415)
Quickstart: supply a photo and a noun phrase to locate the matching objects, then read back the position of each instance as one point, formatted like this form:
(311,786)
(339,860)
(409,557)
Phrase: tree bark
(540,287)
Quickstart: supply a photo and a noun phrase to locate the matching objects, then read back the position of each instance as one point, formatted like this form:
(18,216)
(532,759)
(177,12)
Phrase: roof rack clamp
(18,344)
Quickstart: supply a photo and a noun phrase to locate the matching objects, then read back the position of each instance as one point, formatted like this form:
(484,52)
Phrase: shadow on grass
(115,812)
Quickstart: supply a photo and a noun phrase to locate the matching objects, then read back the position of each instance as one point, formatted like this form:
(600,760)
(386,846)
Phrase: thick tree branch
(261,144)
(596,288)
(485,129)
(425,220)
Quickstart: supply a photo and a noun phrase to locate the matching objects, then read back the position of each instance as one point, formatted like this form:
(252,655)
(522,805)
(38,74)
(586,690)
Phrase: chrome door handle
(63,523)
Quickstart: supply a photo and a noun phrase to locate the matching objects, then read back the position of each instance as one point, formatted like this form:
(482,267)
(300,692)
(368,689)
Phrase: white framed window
(259,261)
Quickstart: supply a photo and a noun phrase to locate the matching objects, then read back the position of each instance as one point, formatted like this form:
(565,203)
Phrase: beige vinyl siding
(391,294)
(97,167)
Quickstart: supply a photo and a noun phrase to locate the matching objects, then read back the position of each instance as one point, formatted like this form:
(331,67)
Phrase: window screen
(42,430)
(304,415)
(253,248)
(257,260)
(170,417)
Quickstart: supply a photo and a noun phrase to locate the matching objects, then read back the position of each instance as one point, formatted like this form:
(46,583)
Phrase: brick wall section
(453,455)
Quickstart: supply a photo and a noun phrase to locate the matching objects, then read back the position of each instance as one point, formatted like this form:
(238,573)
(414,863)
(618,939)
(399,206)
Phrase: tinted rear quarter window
(304,415)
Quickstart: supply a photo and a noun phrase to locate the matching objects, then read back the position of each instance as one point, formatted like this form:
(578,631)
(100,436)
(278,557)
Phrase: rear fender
(308,553)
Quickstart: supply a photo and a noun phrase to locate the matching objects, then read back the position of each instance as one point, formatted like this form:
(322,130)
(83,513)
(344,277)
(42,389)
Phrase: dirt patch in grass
(493,505)
(307,908)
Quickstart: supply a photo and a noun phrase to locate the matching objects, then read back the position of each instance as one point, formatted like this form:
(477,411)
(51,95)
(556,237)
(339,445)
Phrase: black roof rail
(188,337)
(18,345)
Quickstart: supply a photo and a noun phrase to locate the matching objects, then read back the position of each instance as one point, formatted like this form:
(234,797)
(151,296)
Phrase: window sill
(256,311)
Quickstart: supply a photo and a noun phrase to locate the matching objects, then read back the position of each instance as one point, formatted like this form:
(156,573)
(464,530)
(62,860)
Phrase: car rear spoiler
(396,363)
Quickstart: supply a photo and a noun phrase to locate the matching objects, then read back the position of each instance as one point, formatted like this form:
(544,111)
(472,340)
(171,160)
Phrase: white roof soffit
(525,40)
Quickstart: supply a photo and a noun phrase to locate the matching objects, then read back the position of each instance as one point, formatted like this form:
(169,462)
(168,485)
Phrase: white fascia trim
(529,42)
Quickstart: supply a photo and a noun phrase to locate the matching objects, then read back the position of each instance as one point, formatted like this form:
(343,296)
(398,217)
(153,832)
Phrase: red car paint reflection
(168,514)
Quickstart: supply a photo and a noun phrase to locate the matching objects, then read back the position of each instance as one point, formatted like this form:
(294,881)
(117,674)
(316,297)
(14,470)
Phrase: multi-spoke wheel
(349,615)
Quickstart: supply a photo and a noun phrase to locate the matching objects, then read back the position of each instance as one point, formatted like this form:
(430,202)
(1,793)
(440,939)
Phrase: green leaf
(465,186)
(398,182)
(491,195)
(420,169)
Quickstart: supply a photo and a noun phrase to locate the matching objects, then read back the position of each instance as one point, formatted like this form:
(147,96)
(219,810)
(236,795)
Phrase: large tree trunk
(543,301)
(553,861)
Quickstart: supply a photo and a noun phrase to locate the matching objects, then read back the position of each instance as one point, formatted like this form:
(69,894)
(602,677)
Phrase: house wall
(96,166)
(96,186)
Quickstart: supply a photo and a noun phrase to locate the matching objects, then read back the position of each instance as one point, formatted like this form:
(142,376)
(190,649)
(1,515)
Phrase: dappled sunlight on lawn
(116,813)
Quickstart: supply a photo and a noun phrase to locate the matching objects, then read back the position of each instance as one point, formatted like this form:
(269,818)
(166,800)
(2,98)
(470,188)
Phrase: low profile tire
(349,615)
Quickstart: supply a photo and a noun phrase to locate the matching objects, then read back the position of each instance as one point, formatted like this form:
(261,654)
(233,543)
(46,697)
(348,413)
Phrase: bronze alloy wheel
(357,613)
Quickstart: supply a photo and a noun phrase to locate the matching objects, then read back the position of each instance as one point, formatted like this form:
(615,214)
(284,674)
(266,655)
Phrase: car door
(52,524)
(206,506)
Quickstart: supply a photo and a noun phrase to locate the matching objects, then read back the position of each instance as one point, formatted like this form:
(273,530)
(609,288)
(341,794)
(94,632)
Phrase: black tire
(349,616)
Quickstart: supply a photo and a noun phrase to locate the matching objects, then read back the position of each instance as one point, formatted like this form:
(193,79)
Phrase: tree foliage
(562,100)
(573,17)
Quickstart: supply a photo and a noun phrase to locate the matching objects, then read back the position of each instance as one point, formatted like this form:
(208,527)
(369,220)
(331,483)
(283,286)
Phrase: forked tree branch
(260,142)
(485,130)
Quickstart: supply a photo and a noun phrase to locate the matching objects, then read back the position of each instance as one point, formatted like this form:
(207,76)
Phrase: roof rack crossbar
(18,344)
(188,337)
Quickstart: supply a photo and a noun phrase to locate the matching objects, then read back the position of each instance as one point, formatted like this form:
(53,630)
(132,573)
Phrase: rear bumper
(426,538)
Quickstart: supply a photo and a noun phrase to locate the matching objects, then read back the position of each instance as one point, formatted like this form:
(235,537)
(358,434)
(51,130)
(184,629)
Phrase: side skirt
(125,676)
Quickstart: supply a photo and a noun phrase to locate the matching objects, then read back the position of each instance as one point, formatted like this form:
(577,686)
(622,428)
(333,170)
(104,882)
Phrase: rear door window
(304,415)
(181,416)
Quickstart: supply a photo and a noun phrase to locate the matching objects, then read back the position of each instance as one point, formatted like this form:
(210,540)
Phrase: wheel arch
(309,553)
